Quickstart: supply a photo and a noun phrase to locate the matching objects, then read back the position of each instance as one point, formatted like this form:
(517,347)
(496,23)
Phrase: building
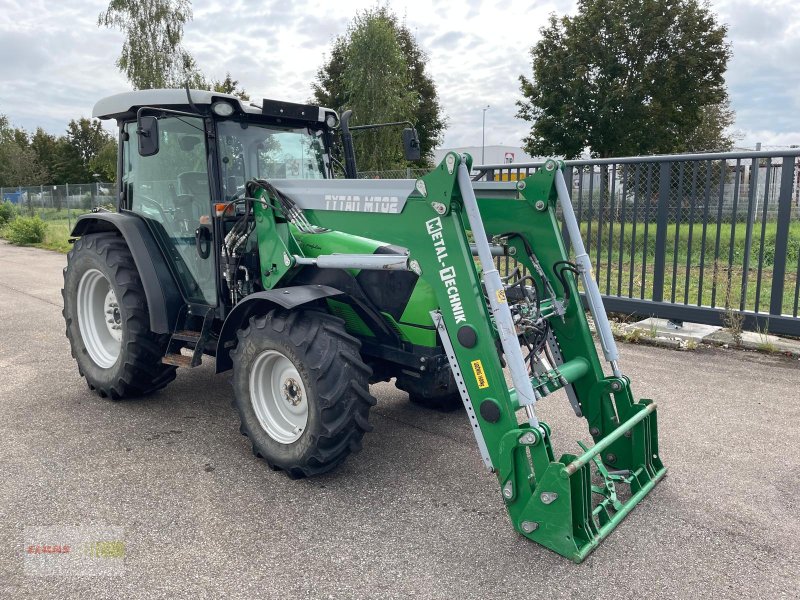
(493,155)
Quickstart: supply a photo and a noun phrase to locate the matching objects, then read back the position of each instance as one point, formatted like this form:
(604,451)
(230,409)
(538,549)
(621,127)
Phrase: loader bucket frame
(558,503)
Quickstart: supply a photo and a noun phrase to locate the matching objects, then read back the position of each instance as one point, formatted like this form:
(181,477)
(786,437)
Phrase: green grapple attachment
(567,504)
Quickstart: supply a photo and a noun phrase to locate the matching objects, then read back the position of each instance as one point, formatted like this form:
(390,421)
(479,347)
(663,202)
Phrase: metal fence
(60,202)
(407,173)
(690,237)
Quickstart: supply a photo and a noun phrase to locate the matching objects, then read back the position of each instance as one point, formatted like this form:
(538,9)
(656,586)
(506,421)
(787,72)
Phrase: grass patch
(56,236)
(767,347)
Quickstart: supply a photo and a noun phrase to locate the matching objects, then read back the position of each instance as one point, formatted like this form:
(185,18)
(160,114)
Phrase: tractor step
(191,339)
(187,336)
(177,360)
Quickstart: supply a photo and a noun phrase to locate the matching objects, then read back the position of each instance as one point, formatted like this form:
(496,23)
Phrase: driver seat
(193,194)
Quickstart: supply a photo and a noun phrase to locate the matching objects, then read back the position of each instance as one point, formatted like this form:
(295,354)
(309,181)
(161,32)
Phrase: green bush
(25,230)
(7,212)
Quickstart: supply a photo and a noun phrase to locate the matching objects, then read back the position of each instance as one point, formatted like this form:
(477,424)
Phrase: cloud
(762,74)
(447,40)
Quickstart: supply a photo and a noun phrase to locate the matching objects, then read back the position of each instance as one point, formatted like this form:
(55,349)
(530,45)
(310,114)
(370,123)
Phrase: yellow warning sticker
(480,376)
(501,296)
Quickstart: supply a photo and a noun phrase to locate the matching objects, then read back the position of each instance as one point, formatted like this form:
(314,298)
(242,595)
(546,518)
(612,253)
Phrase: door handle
(202,241)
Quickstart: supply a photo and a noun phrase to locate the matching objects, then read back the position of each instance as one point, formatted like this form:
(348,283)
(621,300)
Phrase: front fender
(259,304)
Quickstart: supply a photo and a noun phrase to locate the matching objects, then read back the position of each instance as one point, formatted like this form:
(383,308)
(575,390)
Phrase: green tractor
(234,239)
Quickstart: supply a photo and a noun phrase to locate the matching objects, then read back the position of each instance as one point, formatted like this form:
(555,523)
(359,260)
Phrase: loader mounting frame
(558,503)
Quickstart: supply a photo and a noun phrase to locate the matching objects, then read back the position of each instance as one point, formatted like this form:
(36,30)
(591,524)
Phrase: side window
(171,190)
(179,169)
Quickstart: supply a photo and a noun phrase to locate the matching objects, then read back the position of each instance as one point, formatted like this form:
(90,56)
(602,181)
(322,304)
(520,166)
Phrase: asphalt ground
(415,514)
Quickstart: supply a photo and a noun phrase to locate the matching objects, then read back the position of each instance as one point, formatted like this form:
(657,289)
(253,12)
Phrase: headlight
(222,109)
(331,120)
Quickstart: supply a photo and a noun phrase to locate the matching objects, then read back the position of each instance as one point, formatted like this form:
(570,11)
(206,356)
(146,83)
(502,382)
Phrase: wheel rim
(99,318)
(278,396)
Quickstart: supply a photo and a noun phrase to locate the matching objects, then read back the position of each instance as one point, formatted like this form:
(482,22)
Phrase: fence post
(782,235)
(662,220)
(752,203)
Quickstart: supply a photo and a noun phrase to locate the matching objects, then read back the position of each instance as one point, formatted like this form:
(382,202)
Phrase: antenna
(189,97)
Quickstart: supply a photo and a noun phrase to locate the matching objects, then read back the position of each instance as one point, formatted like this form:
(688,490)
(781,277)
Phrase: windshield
(253,151)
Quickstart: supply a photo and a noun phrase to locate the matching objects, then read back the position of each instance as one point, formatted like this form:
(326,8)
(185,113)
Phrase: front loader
(234,239)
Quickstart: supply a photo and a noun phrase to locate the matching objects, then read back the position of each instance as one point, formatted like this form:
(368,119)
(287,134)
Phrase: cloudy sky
(55,62)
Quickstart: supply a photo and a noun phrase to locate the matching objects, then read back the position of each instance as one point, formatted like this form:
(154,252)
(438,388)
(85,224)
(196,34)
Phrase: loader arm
(552,502)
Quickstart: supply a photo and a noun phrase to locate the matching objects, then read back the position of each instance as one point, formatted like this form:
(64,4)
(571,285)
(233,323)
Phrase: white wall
(494,154)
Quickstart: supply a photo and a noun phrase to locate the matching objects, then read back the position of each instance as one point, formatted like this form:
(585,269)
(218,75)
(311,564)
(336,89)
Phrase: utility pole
(483,136)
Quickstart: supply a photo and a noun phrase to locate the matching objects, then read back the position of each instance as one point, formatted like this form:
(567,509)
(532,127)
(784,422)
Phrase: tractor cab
(185,156)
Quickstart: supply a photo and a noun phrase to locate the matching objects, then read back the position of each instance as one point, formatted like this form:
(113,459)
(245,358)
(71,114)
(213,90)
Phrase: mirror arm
(165,111)
(378,125)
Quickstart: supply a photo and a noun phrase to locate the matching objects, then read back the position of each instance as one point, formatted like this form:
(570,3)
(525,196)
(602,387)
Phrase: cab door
(171,191)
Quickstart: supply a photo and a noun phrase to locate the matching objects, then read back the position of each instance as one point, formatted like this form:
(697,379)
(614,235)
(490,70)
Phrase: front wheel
(301,390)
(108,324)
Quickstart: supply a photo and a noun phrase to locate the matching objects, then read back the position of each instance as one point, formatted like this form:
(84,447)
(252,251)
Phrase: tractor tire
(108,324)
(301,390)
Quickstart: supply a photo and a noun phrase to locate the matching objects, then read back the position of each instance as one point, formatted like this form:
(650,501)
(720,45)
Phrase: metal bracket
(555,350)
(462,389)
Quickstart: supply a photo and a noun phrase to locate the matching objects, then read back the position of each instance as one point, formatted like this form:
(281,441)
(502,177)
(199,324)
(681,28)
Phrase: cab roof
(124,106)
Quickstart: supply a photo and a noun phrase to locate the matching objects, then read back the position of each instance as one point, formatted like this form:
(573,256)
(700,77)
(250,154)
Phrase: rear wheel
(301,390)
(107,320)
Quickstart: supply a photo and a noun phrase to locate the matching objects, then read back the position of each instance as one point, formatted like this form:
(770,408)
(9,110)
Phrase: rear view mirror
(148,136)
(411,144)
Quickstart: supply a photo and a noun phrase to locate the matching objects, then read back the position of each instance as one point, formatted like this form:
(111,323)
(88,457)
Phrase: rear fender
(163,295)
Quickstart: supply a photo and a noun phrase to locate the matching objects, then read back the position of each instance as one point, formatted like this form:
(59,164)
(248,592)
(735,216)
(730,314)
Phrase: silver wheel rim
(278,397)
(99,319)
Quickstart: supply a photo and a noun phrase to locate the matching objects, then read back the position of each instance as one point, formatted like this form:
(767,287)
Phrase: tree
(84,150)
(46,148)
(104,163)
(229,85)
(61,162)
(428,118)
(18,162)
(87,138)
(44,159)
(626,77)
(710,133)
(377,69)
(152,55)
